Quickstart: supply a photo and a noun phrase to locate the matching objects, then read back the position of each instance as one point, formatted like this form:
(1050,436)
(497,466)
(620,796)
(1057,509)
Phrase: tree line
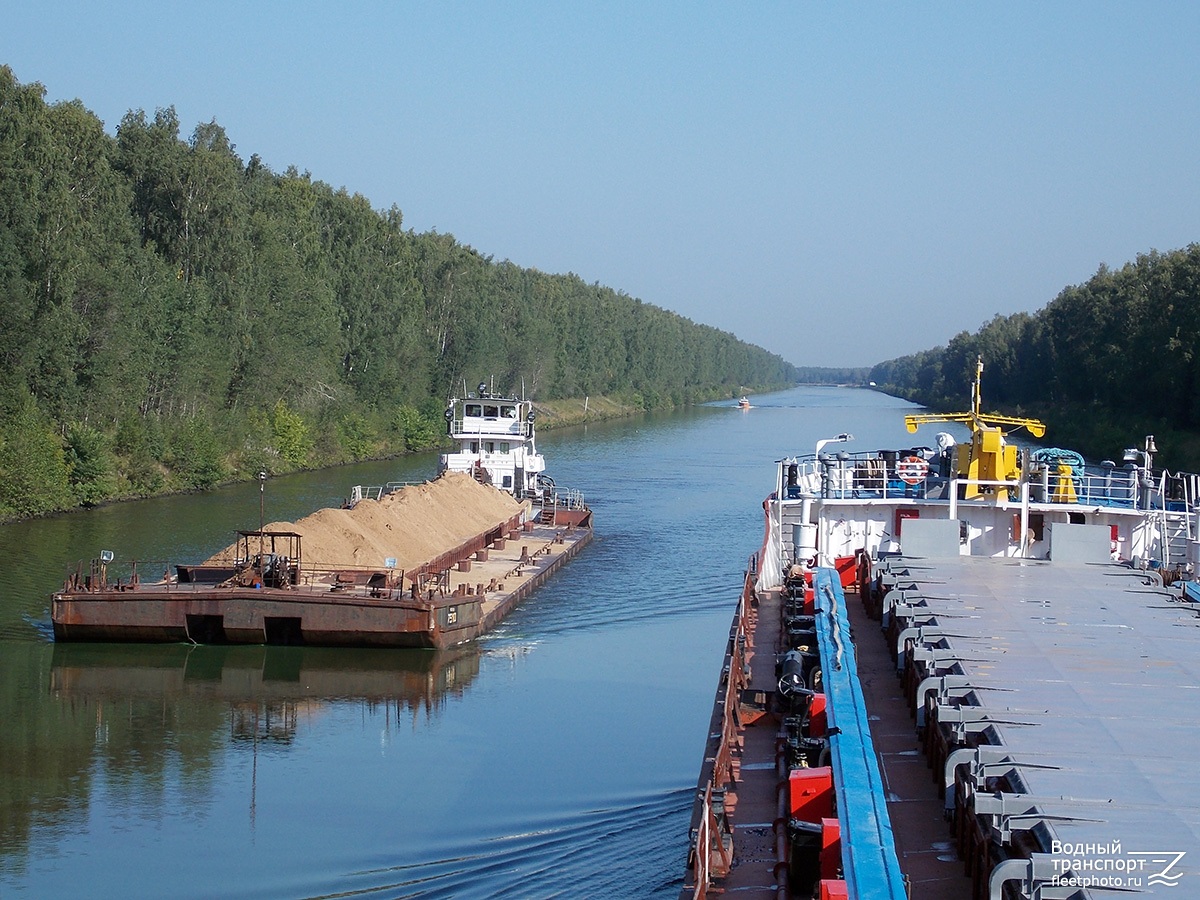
(833,375)
(171,317)
(1104,363)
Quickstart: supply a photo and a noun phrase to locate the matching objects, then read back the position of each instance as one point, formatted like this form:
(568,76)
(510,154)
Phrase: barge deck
(1030,724)
(1055,702)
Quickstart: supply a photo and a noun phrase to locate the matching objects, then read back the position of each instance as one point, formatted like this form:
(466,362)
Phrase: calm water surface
(558,756)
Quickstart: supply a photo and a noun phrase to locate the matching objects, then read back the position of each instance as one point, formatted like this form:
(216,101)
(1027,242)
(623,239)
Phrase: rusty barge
(265,592)
(967,672)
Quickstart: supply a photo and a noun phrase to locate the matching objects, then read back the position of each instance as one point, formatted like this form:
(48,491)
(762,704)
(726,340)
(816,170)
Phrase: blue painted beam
(1191,591)
(870,866)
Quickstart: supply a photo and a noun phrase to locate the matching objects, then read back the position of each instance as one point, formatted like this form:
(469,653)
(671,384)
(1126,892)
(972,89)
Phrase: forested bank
(832,375)
(172,316)
(1104,363)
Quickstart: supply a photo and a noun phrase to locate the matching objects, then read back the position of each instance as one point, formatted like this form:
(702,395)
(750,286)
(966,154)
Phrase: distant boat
(744,403)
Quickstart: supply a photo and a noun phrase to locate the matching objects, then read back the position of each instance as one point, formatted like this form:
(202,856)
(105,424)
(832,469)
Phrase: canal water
(558,756)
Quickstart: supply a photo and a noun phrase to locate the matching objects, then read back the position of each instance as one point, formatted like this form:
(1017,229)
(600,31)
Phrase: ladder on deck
(1175,533)
(1175,527)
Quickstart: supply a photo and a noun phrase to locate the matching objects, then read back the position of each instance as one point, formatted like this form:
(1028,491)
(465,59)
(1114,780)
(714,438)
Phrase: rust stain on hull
(445,606)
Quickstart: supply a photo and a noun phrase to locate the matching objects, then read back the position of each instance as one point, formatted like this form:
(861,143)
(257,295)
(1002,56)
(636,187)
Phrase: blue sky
(838,183)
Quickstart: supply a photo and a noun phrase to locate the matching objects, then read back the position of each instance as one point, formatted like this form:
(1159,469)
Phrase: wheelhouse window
(508,412)
(491,412)
(472,409)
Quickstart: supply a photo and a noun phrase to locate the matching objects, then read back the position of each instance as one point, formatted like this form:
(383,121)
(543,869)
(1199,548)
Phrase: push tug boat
(1037,615)
(496,445)
(495,441)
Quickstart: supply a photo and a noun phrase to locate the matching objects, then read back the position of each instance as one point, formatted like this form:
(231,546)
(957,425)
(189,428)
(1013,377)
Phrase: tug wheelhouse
(495,442)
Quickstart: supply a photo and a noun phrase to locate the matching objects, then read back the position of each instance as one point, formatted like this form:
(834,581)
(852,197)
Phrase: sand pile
(414,525)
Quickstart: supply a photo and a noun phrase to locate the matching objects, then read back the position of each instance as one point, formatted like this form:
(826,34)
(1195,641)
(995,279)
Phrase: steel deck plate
(1090,676)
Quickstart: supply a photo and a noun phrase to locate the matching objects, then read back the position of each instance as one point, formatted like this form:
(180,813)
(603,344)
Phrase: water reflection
(281,682)
(126,721)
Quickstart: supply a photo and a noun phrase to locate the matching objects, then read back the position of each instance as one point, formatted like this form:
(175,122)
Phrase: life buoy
(912,469)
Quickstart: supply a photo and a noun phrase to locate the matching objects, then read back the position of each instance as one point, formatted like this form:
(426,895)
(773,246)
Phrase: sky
(839,183)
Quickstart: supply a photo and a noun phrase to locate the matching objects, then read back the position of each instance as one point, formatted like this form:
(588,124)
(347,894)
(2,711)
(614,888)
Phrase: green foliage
(1104,363)
(33,467)
(194,455)
(169,295)
(826,375)
(415,430)
(357,436)
(290,435)
(90,464)
(138,446)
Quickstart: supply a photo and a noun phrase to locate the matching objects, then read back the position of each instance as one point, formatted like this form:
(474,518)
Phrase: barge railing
(712,839)
(99,576)
(522,428)
(376,491)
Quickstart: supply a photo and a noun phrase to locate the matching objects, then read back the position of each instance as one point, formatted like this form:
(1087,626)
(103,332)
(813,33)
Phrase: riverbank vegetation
(856,377)
(1103,364)
(172,316)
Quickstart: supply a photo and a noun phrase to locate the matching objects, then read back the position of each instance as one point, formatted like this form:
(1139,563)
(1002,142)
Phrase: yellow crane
(988,458)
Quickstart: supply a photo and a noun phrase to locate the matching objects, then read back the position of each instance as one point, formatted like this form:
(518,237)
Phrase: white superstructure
(847,509)
(494,435)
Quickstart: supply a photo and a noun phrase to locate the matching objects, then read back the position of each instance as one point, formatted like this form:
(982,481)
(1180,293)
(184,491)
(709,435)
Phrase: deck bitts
(1070,693)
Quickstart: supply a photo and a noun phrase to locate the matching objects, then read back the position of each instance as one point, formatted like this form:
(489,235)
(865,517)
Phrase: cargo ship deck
(1006,707)
(1028,722)
(1056,705)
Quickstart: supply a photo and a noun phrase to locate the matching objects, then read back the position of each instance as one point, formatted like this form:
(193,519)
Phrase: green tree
(194,454)
(417,431)
(33,467)
(357,436)
(89,464)
(290,434)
